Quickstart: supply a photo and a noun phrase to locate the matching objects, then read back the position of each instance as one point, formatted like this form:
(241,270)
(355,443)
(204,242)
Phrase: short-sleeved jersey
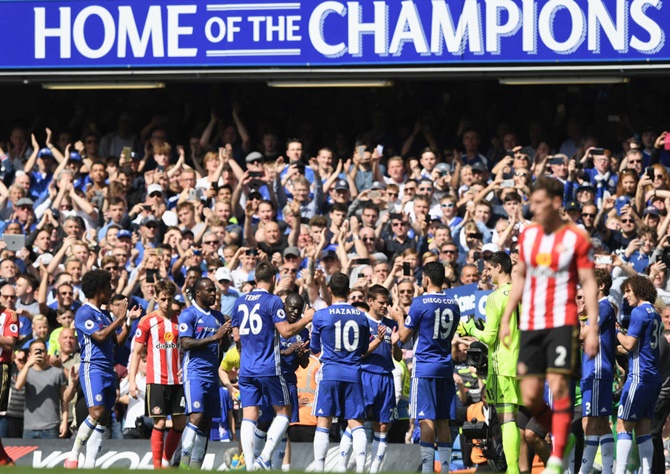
(341,334)
(9,327)
(289,363)
(647,327)
(255,315)
(99,354)
(552,264)
(602,365)
(434,318)
(197,323)
(161,336)
(381,360)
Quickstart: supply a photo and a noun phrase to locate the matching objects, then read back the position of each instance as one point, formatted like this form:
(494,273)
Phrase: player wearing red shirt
(552,256)
(9,334)
(158,334)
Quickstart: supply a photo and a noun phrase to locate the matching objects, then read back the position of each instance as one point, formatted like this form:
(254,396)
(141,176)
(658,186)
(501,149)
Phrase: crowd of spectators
(145,208)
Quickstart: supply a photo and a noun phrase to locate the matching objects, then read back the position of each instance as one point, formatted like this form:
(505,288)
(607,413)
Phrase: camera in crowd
(478,357)
(487,436)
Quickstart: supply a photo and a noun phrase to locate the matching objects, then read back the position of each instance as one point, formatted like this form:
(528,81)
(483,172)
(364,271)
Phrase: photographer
(502,389)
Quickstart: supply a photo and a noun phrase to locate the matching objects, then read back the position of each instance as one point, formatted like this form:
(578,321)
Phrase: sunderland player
(553,256)
(502,388)
(258,320)
(97,334)
(9,334)
(377,378)
(159,333)
(341,333)
(201,332)
(596,384)
(643,383)
(434,317)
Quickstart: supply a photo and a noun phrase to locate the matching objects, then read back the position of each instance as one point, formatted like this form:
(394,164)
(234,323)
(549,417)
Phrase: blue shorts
(342,399)
(379,396)
(202,397)
(596,397)
(254,389)
(431,399)
(638,399)
(99,387)
(267,412)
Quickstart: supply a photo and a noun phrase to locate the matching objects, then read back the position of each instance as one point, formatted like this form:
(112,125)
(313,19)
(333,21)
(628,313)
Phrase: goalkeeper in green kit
(502,387)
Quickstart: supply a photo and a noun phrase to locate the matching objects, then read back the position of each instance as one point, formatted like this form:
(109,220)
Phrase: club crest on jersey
(543,259)
(169,337)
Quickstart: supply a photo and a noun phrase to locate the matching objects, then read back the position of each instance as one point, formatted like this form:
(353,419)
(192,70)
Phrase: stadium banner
(466,298)
(136,454)
(117,34)
(480,303)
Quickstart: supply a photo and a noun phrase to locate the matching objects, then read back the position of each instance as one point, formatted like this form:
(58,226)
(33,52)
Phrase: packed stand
(180,229)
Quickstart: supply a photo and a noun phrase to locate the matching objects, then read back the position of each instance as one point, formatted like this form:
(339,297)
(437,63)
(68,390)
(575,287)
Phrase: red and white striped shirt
(9,327)
(161,336)
(552,264)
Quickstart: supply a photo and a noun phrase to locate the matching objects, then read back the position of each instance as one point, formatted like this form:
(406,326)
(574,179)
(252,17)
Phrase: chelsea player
(201,330)
(341,333)
(97,334)
(434,317)
(596,383)
(258,320)
(643,383)
(377,378)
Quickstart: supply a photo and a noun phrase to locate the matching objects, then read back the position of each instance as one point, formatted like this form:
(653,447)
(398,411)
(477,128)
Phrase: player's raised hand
(396,314)
(119,311)
(223,330)
(309,314)
(381,332)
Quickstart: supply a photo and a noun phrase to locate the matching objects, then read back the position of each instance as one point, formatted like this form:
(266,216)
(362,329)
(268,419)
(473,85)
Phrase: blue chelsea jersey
(647,327)
(99,354)
(434,318)
(289,363)
(255,315)
(198,323)
(341,334)
(381,360)
(602,365)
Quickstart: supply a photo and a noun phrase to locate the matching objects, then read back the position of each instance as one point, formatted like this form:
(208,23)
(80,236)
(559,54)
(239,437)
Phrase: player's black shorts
(553,350)
(5,383)
(526,421)
(163,400)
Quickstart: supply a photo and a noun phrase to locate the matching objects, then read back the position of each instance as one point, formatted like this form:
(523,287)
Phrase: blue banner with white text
(115,34)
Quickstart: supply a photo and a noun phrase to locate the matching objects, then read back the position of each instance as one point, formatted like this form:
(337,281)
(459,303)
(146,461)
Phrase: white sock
(199,449)
(93,447)
(360,446)
(646,449)
(321,438)
(590,450)
(276,432)
(83,434)
(260,437)
(427,456)
(607,452)
(187,442)
(286,467)
(278,454)
(379,446)
(624,443)
(444,450)
(345,451)
(247,440)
